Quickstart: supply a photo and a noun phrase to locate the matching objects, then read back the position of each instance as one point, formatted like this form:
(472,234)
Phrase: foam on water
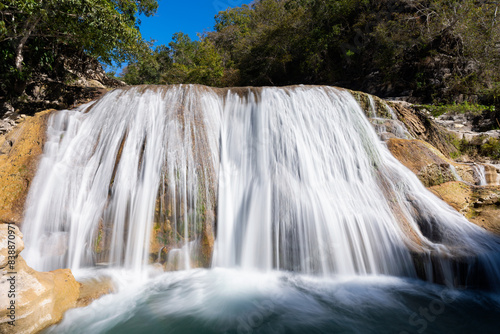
(232,301)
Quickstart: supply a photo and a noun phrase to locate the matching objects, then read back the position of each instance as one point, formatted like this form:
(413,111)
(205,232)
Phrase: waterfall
(104,173)
(455,174)
(298,187)
(291,178)
(479,174)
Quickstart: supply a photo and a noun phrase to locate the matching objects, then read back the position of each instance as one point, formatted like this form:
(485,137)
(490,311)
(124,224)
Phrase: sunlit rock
(39,299)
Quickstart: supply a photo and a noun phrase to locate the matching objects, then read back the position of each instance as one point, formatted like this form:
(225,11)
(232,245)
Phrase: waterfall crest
(291,178)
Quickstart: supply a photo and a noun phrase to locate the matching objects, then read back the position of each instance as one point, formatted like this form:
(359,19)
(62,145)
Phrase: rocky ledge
(33,300)
(471,185)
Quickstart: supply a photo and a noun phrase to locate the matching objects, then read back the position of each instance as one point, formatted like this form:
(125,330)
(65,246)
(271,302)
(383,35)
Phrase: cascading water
(304,184)
(292,179)
(480,174)
(298,189)
(104,171)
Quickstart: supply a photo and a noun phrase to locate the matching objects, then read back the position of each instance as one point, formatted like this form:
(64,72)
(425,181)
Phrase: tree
(437,49)
(104,29)
(444,48)
(148,68)
(183,61)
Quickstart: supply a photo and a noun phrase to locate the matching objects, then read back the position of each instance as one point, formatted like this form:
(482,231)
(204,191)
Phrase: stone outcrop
(455,183)
(480,205)
(421,126)
(470,122)
(427,163)
(19,153)
(492,174)
(39,298)
(428,155)
(10,118)
(484,209)
(432,167)
(94,288)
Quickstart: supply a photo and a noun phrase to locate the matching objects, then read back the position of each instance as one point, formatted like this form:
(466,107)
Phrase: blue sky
(188,16)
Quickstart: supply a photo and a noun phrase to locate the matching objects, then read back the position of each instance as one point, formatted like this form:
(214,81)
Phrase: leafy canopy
(183,61)
(105,29)
(433,50)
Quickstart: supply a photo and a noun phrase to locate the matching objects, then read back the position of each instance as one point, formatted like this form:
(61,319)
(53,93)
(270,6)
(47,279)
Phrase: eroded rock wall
(428,155)
(20,150)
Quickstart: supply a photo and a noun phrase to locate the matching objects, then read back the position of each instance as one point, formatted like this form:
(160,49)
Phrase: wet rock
(94,288)
(39,299)
(422,126)
(480,205)
(429,165)
(21,149)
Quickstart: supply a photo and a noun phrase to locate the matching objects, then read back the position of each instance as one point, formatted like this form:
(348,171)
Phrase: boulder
(480,205)
(428,164)
(94,288)
(36,299)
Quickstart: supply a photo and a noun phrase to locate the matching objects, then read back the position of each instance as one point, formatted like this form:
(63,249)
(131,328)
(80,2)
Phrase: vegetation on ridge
(432,50)
(37,36)
(456,108)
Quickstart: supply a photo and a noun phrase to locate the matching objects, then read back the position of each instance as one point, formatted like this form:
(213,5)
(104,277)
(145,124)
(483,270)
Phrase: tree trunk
(28,28)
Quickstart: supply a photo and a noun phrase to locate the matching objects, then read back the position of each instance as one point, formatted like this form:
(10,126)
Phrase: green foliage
(236,17)
(456,108)
(32,32)
(491,148)
(147,69)
(183,61)
(453,140)
(332,41)
(436,49)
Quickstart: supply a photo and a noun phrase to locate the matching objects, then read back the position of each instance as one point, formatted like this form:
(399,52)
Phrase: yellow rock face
(484,210)
(457,194)
(427,163)
(481,205)
(19,153)
(16,241)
